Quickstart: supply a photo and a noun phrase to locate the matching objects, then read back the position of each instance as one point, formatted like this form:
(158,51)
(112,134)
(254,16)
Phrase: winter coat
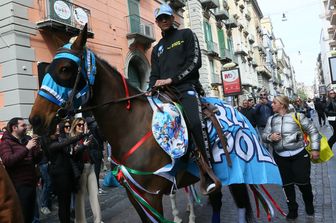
(19,161)
(292,137)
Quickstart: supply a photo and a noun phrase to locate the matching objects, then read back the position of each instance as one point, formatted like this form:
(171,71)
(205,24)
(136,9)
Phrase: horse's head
(64,86)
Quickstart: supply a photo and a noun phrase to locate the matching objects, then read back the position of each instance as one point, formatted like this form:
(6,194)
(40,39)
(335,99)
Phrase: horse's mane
(114,71)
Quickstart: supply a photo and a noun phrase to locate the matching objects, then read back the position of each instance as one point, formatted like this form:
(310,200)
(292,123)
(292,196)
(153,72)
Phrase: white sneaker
(45,210)
(101,191)
(210,187)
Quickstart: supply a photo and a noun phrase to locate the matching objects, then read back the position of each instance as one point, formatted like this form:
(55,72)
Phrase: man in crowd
(263,111)
(20,153)
(249,112)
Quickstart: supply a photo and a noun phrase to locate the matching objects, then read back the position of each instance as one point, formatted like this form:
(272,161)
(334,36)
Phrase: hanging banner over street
(231,81)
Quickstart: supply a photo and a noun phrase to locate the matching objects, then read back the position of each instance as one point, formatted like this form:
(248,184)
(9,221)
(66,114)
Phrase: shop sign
(231,81)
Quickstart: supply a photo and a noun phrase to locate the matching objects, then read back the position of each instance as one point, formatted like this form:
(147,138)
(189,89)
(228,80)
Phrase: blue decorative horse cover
(251,161)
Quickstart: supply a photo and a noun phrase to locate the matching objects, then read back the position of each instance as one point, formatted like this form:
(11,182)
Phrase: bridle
(70,99)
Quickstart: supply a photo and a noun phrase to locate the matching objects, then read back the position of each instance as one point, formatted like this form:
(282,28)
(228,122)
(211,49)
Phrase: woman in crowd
(286,137)
(330,111)
(88,182)
(58,151)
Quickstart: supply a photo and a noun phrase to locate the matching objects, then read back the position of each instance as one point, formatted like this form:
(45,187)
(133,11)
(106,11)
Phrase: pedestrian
(320,110)
(58,150)
(20,153)
(287,140)
(263,111)
(88,181)
(176,61)
(10,208)
(249,112)
(330,111)
(96,148)
(45,197)
(302,107)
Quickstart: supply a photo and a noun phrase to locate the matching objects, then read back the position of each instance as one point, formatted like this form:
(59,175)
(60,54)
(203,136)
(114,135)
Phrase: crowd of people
(282,124)
(65,165)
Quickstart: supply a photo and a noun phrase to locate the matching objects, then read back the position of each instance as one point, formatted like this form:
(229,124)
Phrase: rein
(114,101)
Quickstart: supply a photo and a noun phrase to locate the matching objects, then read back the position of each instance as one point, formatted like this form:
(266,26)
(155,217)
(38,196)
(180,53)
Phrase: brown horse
(124,120)
(122,127)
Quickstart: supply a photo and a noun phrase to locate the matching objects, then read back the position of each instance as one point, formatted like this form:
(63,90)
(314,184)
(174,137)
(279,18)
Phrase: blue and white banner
(251,161)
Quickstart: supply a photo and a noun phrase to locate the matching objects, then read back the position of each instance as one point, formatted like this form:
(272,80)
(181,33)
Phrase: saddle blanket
(169,128)
(251,161)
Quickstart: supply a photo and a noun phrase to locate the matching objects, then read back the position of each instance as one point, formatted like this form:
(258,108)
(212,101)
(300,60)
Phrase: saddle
(208,113)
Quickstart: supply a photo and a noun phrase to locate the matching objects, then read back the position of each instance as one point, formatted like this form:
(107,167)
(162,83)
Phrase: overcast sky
(300,33)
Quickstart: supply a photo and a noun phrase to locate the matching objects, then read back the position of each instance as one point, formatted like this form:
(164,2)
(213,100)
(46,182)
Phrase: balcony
(231,23)
(221,14)
(331,29)
(215,79)
(254,63)
(241,49)
(251,38)
(332,44)
(248,16)
(139,31)
(265,70)
(250,55)
(210,4)
(177,4)
(212,48)
(261,49)
(225,55)
(334,35)
(333,19)
(65,17)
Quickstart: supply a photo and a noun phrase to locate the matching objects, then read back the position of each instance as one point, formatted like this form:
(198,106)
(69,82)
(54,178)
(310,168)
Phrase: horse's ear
(81,39)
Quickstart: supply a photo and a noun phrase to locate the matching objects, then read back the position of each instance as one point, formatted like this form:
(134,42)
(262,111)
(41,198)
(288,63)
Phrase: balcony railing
(231,23)
(177,4)
(65,16)
(210,4)
(225,55)
(241,49)
(333,19)
(212,48)
(251,38)
(221,14)
(215,79)
(140,30)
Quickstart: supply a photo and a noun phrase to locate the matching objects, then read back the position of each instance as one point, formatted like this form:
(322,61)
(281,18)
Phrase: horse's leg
(175,211)
(241,198)
(191,204)
(154,200)
(216,203)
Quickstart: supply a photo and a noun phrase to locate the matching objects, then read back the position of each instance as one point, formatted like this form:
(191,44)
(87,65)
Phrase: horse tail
(240,196)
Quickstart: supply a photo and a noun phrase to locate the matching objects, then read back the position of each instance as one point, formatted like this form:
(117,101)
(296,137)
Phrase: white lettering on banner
(261,156)
(244,146)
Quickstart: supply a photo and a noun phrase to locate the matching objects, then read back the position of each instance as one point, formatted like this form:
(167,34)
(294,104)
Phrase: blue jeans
(45,198)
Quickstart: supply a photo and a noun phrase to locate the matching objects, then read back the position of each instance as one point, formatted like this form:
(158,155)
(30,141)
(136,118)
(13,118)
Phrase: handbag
(325,151)
(110,180)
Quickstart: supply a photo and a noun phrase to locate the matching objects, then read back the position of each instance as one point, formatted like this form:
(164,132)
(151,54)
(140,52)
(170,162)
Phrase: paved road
(117,209)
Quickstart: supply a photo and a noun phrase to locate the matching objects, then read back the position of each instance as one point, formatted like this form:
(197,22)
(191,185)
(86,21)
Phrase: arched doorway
(137,69)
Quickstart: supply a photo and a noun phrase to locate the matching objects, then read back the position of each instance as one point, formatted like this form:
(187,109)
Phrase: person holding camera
(87,183)
(20,153)
(63,170)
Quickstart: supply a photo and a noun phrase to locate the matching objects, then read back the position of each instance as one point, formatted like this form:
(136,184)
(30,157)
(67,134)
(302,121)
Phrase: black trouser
(27,197)
(332,139)
(295,170)
(192,109)
(321,118)
(63,187)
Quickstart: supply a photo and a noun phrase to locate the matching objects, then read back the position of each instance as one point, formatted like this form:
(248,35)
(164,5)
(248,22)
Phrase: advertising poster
(231,81)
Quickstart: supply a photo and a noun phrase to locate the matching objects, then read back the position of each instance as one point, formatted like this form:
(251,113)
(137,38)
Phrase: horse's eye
(64,69)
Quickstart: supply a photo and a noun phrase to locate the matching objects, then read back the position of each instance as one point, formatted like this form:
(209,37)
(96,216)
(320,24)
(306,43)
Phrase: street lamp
(229,66)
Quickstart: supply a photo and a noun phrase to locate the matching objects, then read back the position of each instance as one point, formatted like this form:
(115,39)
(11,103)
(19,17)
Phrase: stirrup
(210,188)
